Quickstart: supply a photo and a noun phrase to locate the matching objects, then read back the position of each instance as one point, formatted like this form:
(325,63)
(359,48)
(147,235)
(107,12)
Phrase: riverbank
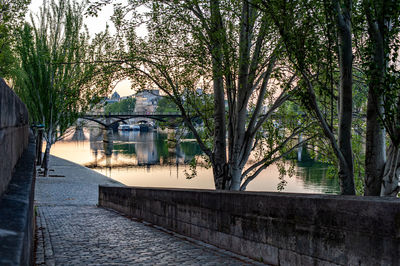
(72,230)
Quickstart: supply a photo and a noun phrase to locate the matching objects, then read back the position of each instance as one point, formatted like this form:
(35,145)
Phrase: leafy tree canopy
(166,105)
(12,13)
(56,77)
(123,106)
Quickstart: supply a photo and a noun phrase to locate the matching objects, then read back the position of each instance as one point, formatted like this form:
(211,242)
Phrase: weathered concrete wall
(14,131)
(16,212)
(277,228)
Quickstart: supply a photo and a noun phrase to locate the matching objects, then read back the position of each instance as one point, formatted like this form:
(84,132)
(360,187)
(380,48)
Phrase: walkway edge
(54,158)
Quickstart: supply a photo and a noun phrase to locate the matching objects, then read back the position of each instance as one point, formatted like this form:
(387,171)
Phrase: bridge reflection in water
(149,159)
(112,149)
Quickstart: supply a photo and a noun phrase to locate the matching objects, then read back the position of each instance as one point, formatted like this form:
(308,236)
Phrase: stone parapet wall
(16,212)
(14,132)
(276,228)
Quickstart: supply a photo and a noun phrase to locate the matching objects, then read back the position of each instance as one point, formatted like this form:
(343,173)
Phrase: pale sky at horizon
(96,25)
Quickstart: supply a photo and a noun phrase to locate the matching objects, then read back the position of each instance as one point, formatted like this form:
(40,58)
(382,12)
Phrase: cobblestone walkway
(71,230)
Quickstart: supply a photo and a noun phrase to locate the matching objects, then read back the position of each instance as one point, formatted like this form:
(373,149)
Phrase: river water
(149,159)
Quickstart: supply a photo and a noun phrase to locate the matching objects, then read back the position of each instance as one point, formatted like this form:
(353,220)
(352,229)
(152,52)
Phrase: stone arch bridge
(108,120)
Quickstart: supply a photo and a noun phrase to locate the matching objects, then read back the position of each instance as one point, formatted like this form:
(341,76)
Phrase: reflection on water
(149,159)
(313,175)
(133,148)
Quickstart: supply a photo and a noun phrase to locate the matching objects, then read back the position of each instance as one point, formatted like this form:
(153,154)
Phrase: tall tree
(54,77)
(306,30)
(232,52)
(343,14)
(383,115)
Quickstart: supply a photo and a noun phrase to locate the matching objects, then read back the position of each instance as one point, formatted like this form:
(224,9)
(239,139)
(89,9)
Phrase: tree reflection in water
(162,157)
(314,173)
(111,149)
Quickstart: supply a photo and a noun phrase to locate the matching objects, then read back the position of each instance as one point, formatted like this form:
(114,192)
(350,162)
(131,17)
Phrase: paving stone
(72,230)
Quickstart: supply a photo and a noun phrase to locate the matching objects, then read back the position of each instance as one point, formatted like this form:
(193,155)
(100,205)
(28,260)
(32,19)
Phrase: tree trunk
(238,156)
(235,175)
(219,148)
(219,151)
(346,175)
(375,151)
(39,147)
(220,172)
(46,158)
(390,178)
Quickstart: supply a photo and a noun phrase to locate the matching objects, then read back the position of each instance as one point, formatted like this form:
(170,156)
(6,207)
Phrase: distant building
(115,97)
(126,97)
(146,101)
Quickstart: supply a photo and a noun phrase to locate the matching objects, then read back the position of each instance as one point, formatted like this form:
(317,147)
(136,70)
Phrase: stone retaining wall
(14,132)
(16,212)
(276,228)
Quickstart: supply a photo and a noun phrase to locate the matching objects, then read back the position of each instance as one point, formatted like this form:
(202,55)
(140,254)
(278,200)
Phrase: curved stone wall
(14,132)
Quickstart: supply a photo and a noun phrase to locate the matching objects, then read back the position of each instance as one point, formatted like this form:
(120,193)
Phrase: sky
(96,25)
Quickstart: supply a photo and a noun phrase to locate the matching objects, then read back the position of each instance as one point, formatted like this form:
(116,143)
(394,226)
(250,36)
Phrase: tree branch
(268,163)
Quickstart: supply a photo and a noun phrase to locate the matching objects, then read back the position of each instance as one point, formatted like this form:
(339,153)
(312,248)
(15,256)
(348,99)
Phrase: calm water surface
(148,159)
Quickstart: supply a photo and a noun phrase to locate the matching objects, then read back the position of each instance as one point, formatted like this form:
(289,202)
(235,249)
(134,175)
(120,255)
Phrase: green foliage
(123,106)
(12,13)
(179,55)
(196,44)
(54,77)
(192,172)
(166,105)
(383,19)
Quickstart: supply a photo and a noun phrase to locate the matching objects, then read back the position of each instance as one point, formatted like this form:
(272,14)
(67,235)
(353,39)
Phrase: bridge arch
(122,117)
(104,124)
